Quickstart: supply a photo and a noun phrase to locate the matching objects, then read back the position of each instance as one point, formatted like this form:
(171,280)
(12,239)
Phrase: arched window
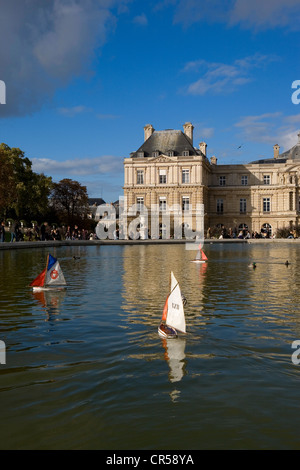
(266,230)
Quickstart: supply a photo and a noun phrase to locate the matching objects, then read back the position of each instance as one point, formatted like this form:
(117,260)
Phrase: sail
(175,313)
(54,274)
(165,311)
(39,281)
(204,257)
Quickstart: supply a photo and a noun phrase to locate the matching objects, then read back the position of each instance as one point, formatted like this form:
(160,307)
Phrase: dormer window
(186,153)
(140,154)
(171,153)
(155,153)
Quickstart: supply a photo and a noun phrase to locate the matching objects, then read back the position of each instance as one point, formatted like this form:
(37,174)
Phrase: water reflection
(146,277)
(174,355)
(51,301)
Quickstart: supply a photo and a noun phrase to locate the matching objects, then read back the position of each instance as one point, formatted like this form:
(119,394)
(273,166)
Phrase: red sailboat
(51,276)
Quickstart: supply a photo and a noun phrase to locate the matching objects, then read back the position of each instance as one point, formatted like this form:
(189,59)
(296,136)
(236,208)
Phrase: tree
(7,185)
(70,200)
(24,193)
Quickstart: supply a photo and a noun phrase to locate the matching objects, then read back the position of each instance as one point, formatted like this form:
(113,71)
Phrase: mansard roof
(269,160)
(167,141)
(291,154)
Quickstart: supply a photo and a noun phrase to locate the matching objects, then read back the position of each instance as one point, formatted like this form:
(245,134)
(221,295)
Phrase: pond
(86,369)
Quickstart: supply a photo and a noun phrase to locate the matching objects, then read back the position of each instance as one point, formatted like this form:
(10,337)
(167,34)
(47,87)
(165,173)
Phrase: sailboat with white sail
(200,257)
(173,318)
(51,276)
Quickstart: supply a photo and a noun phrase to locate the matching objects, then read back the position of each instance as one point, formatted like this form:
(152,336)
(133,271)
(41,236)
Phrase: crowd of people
(244,233)
(16,232)
(44,232)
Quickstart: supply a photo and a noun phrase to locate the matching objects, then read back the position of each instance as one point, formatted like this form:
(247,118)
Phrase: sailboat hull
(197,261)
(39,289)
(166,331)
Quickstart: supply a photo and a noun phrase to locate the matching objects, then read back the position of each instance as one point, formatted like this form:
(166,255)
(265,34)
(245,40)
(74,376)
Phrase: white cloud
(254,14)
(104,165)
(270,128)
(207,132)
(265,14)
(223,78)
(141,19)
(46,44)
(73,110)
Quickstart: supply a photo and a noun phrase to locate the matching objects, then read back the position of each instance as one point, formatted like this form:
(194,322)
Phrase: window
(222,180)
(220,206)
(155,153)
(266,204)
(185,176)
(243,205)
(244,180)
(186,153)
(185,203)
(140,177)
(171,153)
(140,204)
(267,179)
(266,230)
(162,203)
(140,154)
(162,176)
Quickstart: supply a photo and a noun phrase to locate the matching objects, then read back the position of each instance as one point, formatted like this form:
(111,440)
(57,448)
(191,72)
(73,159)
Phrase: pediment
(162,159)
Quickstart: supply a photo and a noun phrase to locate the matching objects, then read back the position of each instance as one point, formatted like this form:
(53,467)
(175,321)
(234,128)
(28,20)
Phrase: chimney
(213,160)
(188,130)
(148,131)
(202,147)
(276,151)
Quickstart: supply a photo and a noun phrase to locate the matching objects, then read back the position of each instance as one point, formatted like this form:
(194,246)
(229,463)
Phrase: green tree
(26,195)
(70,200)
(7,186)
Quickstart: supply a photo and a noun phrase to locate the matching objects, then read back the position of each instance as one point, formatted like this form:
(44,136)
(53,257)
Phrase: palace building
(168,171)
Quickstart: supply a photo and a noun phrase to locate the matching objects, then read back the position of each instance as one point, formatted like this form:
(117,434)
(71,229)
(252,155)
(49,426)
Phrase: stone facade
(167,170)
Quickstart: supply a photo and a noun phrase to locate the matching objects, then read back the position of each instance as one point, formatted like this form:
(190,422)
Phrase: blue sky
(83,78)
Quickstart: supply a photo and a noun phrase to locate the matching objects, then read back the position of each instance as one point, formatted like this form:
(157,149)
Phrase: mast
(46,269)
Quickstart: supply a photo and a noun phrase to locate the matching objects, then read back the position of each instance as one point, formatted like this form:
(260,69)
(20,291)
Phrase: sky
(81,78)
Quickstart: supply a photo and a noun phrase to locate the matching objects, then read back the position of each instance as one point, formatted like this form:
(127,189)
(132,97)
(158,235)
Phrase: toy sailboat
(200,257)
(51,276)
(173,314)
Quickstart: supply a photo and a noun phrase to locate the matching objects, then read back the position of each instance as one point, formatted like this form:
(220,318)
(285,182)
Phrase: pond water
(86,369)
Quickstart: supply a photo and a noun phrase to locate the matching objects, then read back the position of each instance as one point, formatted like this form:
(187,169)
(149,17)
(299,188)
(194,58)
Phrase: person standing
(2,232)
(14,235)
